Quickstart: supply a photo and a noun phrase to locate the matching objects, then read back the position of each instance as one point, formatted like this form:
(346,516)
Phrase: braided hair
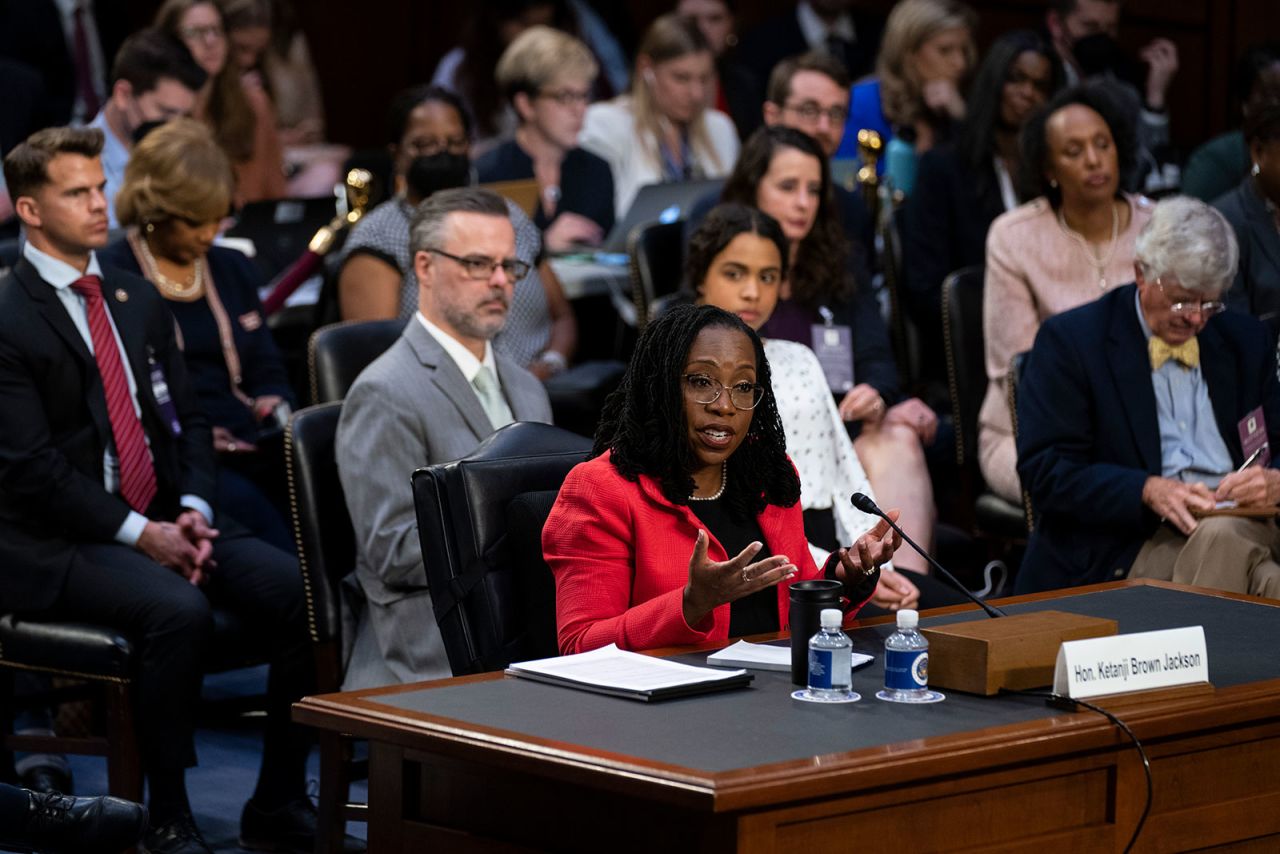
(643,420)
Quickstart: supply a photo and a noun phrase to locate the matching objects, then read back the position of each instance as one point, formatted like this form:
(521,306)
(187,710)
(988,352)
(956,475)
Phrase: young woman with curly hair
(686,522)
(783,172)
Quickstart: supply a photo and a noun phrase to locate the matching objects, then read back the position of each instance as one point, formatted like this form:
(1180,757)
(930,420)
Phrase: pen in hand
(1252,458)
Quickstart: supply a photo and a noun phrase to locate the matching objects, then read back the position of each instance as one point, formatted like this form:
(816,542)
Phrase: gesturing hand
(714,583)
(1173,501)
(873,549)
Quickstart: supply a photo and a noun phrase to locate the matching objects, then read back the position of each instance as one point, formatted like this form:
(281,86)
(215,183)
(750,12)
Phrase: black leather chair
(326,553)
(1016,367)
(336,354)
(480,520)
(963,345)
(656,255)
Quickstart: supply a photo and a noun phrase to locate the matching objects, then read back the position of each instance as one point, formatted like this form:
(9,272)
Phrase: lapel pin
(122,295)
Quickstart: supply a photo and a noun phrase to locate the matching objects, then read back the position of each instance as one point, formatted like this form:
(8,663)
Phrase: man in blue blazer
(1136,414)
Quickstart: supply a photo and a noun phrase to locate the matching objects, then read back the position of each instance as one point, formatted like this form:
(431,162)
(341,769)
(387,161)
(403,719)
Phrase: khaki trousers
(1223,552)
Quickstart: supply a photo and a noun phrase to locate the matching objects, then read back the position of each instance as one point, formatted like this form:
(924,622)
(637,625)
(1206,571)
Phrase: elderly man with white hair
(1146,415)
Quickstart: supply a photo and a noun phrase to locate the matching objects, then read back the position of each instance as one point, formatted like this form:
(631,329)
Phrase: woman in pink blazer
(685,526)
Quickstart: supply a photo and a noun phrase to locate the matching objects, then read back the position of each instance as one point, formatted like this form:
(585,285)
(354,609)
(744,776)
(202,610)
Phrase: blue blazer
(1088,435)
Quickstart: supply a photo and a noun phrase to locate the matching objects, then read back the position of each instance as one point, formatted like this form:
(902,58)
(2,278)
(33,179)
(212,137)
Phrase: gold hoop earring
(149,227)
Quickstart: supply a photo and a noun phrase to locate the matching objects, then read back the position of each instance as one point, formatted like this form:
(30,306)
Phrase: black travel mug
(808,599)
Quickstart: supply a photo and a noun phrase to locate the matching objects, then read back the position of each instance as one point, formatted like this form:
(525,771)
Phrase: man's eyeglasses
(1206,309)
(811,112)
(707,390)
(567,97)
(480,267)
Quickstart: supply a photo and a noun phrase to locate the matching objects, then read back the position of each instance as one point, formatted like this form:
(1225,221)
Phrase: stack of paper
(609,670)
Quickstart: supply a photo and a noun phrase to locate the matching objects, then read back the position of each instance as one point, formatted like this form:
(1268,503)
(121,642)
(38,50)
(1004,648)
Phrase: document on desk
(759,656)
(613,671)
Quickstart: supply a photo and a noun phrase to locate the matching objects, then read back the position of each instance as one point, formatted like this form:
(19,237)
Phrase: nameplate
(1138,662)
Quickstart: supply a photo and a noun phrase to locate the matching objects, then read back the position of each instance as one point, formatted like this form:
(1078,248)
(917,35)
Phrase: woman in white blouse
(663,130)
(736,261)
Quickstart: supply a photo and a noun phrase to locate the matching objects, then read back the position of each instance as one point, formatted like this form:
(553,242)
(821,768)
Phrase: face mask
(442,171)
(1099,54)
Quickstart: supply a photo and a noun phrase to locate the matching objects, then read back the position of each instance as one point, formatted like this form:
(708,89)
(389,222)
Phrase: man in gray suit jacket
(431,398)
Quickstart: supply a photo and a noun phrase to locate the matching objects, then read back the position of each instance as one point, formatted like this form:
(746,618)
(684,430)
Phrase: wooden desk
(1056,781)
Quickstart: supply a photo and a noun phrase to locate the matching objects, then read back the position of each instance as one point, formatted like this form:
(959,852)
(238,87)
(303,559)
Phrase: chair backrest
(480,521)
(963,345)
(656,254)
(1017,365)
(321,525)
(336,354)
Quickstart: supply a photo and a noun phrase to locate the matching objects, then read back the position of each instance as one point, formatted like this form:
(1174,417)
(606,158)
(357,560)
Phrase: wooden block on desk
(1015,652)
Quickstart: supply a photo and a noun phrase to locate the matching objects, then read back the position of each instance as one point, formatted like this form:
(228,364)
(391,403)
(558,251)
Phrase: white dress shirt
(61,275)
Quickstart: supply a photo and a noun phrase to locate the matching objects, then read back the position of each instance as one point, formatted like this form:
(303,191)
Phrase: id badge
(1253,435)
(160,390)
(833,345)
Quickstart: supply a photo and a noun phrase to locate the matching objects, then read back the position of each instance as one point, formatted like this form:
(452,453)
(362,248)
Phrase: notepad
(613,671)
(758,656)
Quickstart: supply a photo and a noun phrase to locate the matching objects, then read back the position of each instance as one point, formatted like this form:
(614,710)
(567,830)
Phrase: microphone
(866,505)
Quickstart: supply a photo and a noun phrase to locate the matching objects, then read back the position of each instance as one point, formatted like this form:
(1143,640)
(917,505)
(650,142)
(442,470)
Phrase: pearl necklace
(1100,262)
(724,481)
(171,289)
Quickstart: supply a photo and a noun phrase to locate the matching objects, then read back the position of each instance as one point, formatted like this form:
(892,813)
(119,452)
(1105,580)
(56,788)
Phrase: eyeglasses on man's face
(482,267)
(811,111)
(707,390)
(1206,309)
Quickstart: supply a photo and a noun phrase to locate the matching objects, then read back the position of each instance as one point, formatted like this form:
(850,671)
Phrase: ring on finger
(745,577)
(231,446)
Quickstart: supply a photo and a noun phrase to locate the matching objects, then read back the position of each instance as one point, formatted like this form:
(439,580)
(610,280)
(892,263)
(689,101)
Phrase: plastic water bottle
(906,662)
(830,659)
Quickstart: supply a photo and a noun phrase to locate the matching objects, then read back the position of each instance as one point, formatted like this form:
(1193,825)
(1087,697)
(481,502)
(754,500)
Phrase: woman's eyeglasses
(707,390)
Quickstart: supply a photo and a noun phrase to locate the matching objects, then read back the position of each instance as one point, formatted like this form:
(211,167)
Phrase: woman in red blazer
(689,467)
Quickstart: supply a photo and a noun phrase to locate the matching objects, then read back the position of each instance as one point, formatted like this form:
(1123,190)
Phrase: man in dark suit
(1138,413)
(106,484)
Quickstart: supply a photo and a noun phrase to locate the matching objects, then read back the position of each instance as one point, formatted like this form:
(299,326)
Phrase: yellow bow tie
(1186,354)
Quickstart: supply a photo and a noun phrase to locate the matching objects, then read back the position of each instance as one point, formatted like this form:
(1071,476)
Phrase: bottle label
(906,670)
(819,668)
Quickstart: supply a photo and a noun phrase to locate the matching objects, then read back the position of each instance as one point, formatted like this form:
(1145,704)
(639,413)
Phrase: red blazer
(620,555)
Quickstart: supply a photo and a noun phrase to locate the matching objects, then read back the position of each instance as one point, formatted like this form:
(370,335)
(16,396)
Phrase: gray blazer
(410,408)
(1256,289)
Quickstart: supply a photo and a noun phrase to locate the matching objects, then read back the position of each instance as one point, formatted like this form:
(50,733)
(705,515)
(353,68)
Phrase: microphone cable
(1061,701)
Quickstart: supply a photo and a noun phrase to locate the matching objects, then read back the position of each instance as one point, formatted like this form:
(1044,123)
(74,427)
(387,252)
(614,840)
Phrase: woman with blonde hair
(237,108)
(546,75)
(176,190)
(663,130)
(926,54)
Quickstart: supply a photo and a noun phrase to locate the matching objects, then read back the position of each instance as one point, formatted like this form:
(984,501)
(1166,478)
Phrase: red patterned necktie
(137,475)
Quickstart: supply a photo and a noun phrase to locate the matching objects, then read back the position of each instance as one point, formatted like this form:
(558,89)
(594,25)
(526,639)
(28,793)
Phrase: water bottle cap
(908,619)
(831,618)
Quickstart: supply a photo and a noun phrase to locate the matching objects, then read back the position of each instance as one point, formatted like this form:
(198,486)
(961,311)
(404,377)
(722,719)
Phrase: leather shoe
(44,779)
(57,823)
(290,828)
(177,836)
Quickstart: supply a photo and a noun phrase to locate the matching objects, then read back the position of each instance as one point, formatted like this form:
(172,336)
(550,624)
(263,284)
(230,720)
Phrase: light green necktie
(495,406)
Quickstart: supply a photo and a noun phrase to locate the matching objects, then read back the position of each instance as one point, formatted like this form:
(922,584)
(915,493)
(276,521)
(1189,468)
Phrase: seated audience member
(1136,415)
(107,495)
(1223,162)
(685,522)
(1066,247)
(376,277)
(177,188)
(270,52)
(54,822)
(1251,210)
(468,68)
(237,108)
(783,173)
(926,56)
(961,187)
(737,261)
(154,80)
(837,28)
(432,398)
(663,130)
(736,89)
(547,76)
